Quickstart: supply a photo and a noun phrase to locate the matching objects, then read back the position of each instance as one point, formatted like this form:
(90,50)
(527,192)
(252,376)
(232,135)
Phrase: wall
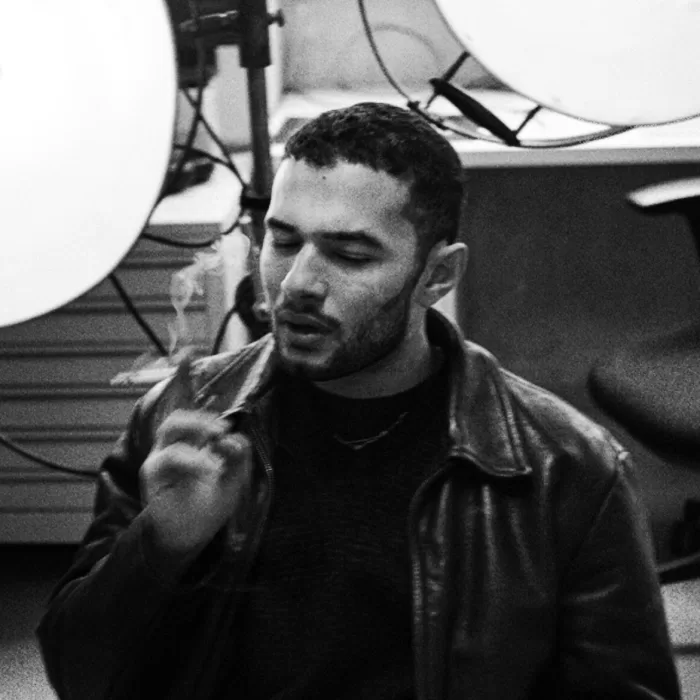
(56,399)
(563,271)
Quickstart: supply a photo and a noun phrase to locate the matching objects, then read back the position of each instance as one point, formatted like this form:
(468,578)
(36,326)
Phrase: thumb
(236,450)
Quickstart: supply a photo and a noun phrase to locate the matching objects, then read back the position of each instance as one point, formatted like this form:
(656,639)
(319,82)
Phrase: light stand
(248,27)
(254,53)
(254,48)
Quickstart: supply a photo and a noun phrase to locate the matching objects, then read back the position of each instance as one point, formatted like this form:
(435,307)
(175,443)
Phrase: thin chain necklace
(363,442)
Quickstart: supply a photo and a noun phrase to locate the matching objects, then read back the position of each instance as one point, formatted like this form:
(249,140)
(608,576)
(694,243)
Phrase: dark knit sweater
(329,610)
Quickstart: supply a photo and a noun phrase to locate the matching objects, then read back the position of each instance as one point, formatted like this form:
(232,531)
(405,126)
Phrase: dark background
(562,271)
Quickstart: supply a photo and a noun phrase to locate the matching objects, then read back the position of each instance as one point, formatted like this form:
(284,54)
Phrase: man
(361,504)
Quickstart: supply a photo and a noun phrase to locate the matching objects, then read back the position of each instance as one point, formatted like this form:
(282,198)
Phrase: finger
(177,464)
(235,448)
(196,427)
(235,451)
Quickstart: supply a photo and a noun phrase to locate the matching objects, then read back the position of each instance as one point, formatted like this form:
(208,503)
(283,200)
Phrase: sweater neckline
(308,412)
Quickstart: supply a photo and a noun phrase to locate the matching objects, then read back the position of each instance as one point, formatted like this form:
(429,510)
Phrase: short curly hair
(396,141)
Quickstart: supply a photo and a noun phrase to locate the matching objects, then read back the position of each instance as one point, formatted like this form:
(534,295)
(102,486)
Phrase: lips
(303,323)
(305,332)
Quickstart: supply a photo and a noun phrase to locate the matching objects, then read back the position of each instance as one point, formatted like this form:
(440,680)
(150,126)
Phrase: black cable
(220,144)
(223,326)
(7,442)
(475,134)
(192,244)
(137,316)
(214,159)
(179,244)
(244,307)
(187,149)
(233,226)
(221,331)
(4,440)
(377,55)
(528,118)
(202,79)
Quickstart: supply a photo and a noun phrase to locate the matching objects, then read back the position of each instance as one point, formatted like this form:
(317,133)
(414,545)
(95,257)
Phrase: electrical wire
(234,225)
(188,147)
(137,316)
(536,143)
(179,244)
(193,244)
(202,79)
(214,159)
(244,307)
(187,150)
(220,144)
(11,445)
(91,474)
(223,326)
(466,132)
(221,331)
(380,61)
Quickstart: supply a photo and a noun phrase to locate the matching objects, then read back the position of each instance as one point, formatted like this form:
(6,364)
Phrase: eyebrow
(359,236)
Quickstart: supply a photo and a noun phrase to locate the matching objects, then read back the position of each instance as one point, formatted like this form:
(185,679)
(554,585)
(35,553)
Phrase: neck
(405,367)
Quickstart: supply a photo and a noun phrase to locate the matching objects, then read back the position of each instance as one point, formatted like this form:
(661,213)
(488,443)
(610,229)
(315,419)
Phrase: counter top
(199,212)
(677,142)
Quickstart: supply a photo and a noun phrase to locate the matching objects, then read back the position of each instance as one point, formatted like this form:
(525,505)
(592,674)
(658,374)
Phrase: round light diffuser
(615,62)
(88,91)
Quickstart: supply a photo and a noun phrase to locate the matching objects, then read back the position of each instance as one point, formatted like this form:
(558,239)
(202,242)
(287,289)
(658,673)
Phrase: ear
(442,272)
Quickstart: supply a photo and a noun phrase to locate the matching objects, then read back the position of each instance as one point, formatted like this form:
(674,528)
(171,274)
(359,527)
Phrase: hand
(194,478)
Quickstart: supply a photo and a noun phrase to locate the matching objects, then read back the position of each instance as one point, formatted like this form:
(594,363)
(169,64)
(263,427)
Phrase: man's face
(338,267)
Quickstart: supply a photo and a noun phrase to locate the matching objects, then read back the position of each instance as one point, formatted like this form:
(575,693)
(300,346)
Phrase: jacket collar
(482,425)
(481,422)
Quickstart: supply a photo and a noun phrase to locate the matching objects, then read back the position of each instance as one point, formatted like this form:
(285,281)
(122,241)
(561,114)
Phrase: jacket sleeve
(612,633)
(114,605)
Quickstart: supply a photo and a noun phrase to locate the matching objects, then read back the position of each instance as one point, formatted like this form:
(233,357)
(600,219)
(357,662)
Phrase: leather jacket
(533,573)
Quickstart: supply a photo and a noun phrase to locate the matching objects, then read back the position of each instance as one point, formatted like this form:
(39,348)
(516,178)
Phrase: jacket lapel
(482,429)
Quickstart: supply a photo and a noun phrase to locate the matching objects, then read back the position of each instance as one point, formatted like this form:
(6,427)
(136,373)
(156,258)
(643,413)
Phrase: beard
(379,333)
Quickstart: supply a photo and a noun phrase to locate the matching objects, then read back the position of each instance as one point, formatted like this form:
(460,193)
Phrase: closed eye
(284,240)
(353,258)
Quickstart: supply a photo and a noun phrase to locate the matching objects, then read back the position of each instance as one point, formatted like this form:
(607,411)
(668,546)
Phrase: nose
(305,278)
